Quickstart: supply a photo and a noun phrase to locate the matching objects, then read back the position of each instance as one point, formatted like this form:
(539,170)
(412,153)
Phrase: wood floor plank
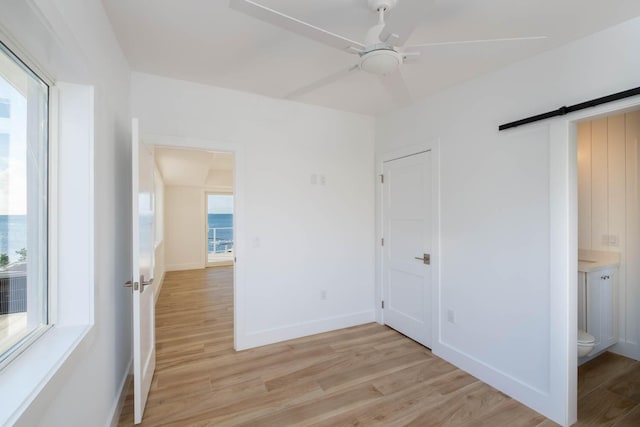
(511,413)
(367,375)
(597,371)
(327,406)
(462,407)
(603,409)
(626,384)
(632,419)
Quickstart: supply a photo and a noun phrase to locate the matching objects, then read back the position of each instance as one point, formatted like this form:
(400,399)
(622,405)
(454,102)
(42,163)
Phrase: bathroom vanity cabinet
(597,306)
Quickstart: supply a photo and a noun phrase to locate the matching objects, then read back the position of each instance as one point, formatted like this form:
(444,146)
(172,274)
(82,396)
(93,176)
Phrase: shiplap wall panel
(584,189)
(617,210)
(599,185)
(609,205)
(631,297)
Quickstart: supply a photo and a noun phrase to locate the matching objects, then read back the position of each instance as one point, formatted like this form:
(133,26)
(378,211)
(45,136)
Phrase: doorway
(407,208)
(608,218)
(219,220)
(188,170)
(563,157)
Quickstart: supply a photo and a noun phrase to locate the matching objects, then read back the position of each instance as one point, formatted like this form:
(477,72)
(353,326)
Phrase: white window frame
(31,381)
(32,336)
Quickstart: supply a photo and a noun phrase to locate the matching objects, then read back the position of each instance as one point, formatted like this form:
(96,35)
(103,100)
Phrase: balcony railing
(220,240)
(13,289)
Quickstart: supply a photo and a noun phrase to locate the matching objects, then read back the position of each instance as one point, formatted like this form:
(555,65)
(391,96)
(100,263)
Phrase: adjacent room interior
(608,258)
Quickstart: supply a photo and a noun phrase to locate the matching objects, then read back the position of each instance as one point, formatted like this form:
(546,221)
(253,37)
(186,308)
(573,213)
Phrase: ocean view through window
(23,204)
(219,228)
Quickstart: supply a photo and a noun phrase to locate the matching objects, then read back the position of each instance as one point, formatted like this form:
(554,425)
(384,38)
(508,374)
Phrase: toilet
(586,342)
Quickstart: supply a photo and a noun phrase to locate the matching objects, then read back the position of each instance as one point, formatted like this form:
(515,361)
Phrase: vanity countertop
(589,260)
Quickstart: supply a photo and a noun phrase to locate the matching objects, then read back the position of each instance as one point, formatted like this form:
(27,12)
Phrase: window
(23,205)
(219,228)
(5,108)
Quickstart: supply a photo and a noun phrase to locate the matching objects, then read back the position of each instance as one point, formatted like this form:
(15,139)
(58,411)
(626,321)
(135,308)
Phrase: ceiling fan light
(380,61)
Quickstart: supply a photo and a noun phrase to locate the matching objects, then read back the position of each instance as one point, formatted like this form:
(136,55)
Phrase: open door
(142,204)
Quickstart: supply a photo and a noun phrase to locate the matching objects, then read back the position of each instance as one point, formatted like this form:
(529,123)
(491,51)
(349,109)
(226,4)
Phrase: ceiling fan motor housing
(379,57)
(387,5)
(381,61)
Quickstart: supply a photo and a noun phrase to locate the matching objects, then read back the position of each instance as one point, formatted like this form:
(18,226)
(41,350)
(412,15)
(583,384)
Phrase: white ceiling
(195,168)
(205,41)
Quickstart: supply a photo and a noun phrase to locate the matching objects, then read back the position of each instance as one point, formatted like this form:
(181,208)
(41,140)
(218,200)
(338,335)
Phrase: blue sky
(218,204)
(13,168)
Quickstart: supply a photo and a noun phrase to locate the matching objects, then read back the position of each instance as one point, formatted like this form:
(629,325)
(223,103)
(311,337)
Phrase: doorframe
(432,145)
(240,340)
(563,171)
(208,193)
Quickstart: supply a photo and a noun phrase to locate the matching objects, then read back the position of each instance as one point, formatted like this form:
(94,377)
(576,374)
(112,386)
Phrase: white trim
(118,403)
(158,287)
(303,329)
(35,378)
(563,137)
(432,145)
(17,49)
(562,312)
(184,266)
(238,150)
(52,291)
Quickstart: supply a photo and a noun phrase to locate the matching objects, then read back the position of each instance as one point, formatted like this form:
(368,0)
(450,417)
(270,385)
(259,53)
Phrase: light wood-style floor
(609,392)
(360,376)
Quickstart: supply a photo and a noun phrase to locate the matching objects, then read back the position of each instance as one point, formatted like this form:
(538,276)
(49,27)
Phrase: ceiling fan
(383,51)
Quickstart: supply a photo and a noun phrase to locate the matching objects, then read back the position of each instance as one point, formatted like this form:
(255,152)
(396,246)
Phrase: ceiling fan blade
(403,19)
(322,82)
(509,39)
(296,26)
(397,87)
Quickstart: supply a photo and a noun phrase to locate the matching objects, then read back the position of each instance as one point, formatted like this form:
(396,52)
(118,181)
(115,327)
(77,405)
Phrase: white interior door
(407,246)
(144,348)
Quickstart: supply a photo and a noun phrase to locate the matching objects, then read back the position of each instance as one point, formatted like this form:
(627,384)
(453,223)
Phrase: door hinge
(382,179)
(383,304)
(382,241)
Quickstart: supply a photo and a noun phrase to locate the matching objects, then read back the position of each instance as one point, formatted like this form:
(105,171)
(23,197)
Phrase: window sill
(47,361)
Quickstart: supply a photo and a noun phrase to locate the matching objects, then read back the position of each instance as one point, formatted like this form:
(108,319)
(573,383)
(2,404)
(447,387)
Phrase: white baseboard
(158,285)
(298,330)
(185,266)
(626,349)
(116,409)
(220,264)
(538,400)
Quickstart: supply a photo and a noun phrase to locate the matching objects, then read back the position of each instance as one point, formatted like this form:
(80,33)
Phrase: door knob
(425,258)
(131,284)
(145,282)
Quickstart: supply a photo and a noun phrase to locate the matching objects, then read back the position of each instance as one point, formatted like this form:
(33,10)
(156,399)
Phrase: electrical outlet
(613,240)
(323,294)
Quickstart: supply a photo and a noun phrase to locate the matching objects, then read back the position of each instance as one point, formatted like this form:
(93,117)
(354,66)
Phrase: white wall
(609,211)
(293,238)
(159,225)
(72,41)
(500,212)
(185,228)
